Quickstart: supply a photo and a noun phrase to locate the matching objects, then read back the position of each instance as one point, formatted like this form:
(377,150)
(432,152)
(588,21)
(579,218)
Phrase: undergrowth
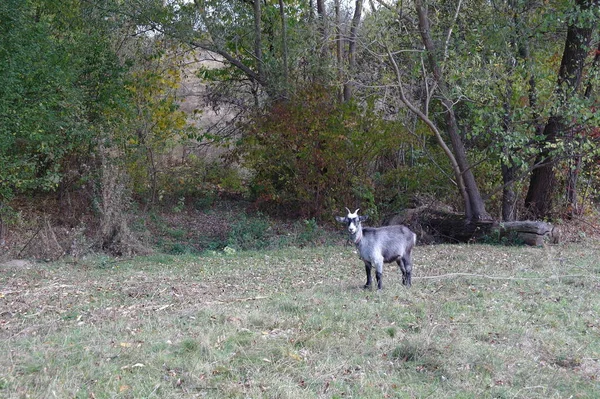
(231,230)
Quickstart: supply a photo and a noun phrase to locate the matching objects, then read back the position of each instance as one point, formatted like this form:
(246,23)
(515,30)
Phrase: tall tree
(284,47)
(542,185)
(352,48)
(474,205)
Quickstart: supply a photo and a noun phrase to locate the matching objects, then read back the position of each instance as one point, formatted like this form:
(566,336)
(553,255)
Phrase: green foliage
(312,155)
(42,109)
(501,64)
(192,179)
(310,233)
(159,124)
(228,26)
(495,238)
(249,232)
(62,95)
(178,248)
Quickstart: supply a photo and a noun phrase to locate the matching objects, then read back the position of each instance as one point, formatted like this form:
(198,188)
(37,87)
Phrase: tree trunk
(321,8)
(475,201)
(284,48)
(339,49)
(423,116)
(572,177)
(352,50)
(321,21)
(434,226)
(258,40)
(322,62)
(509,198)
(542,183)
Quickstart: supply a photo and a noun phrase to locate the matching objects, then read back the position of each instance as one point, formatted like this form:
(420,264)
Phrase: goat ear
(363,218)
(341,219)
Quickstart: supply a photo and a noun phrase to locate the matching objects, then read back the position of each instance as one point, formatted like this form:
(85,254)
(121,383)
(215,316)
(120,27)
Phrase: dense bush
(312,155)
(51,85)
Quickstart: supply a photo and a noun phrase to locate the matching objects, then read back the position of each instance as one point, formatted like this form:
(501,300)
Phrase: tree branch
(450,30)
(433,128)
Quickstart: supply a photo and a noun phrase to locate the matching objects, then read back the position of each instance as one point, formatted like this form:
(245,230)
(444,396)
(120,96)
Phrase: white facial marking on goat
(353,221)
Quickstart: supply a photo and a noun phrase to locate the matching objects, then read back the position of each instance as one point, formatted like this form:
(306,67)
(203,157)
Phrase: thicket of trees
(332,103)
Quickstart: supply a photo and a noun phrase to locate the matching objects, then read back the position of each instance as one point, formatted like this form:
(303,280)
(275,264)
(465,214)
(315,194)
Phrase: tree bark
(321,8)
(321,20)
(475,201)
(542,185)
(339,49)
(348,86)
(258,40)
(434,226)
(509,198)
(284,47)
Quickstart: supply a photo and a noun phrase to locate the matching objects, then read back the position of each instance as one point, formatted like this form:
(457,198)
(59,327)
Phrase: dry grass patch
(479,321)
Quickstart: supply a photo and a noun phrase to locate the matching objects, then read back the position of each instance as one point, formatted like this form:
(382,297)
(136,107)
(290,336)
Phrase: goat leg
(406,268)
(368,270)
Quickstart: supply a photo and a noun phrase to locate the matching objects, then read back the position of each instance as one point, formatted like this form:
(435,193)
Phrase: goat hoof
(367,287)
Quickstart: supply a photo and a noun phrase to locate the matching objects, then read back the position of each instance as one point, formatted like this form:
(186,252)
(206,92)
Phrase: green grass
(479,322)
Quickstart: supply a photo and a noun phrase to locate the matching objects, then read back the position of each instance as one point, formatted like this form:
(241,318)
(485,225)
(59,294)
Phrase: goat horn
(348,210)
(356,211)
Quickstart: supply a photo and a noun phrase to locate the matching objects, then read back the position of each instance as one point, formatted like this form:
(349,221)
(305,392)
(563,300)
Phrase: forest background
(113,110)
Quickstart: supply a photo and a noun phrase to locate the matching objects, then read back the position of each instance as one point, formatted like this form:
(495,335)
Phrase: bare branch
(432,127)
(450,30)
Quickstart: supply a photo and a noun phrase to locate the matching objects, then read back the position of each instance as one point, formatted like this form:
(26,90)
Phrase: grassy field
(479,322)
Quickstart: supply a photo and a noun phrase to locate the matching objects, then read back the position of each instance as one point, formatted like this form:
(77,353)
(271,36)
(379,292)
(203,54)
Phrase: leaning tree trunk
(475,201)
(542,184)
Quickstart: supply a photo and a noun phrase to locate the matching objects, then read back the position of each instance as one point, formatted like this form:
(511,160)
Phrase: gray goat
(377,246)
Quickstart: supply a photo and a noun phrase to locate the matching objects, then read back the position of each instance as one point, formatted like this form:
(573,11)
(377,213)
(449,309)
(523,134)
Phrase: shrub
(310,233)
(249,232)
(312,156)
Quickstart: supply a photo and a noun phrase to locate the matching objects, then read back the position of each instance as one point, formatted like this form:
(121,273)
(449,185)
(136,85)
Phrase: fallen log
(530,232)
(434,226)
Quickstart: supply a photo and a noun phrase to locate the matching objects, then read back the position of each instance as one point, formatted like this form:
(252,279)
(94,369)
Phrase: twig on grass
(254,298)
(451,275)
